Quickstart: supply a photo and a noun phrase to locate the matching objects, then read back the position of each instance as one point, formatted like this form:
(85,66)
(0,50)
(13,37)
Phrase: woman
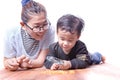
(27,46)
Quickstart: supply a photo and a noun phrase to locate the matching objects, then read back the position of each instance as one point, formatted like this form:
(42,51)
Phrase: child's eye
(70,40)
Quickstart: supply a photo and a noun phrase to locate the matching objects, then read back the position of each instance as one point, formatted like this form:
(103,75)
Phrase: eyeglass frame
(39,28)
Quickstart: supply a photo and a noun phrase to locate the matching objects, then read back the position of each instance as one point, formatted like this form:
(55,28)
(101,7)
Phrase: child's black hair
(70,23)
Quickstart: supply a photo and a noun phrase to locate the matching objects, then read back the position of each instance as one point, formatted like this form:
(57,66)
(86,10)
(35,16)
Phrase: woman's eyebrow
(41,23)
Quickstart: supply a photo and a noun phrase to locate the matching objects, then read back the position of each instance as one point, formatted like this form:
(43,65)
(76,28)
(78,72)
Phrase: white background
(102,22)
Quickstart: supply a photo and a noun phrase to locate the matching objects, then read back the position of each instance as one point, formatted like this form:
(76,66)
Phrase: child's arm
(81,61)
(81,57)
(51,57)
(51,62)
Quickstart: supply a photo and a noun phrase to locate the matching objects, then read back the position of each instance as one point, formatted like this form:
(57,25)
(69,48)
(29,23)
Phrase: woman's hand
(11,64)
(24,61)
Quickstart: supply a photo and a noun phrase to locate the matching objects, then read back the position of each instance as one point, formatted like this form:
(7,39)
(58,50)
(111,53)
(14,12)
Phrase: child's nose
(66,43)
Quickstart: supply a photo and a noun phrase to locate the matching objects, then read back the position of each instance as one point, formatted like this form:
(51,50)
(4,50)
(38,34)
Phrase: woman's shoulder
(11,32)
(50,34)
(51,29)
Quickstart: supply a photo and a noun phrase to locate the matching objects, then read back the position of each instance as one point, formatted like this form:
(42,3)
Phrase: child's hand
(66,65)
(55,66)
(11,64)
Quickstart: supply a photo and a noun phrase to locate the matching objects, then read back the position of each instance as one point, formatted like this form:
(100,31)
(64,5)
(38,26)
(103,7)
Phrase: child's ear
(22,25)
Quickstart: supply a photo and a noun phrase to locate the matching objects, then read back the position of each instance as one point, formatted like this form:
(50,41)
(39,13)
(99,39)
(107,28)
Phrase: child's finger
(60,66)
(54,66)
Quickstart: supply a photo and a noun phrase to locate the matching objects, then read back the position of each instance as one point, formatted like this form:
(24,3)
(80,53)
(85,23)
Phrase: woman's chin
(39,38)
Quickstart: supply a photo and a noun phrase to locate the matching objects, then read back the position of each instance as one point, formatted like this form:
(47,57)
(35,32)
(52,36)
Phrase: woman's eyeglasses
(39,28)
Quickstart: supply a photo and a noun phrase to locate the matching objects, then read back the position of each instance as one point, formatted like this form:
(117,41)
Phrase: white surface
(101,32)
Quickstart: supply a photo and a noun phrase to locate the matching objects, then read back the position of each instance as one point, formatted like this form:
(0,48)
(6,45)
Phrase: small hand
(66,65)
(55,66)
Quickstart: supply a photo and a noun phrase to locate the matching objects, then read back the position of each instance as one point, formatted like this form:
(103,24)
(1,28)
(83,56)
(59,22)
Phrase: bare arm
(24,62)
(40,60)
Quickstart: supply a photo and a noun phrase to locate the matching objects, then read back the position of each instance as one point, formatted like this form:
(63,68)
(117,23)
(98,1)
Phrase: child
(69,52)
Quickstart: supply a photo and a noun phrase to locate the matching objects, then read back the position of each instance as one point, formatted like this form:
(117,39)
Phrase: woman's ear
(22,25)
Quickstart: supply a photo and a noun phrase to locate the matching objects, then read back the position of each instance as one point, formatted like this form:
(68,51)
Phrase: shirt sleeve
(51,54)
(82,59)
(9,45)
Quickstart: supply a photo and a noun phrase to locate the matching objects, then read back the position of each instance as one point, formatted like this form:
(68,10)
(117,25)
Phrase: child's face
(67,40)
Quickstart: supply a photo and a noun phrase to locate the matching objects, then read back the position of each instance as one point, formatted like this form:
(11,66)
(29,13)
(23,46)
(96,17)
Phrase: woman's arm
(40,59)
